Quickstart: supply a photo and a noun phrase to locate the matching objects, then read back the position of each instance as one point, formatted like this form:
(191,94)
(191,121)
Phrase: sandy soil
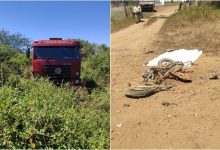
(192,121)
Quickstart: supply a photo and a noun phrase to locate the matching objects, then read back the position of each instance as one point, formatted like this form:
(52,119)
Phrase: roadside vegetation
(194,27)
(118,24)
(122,14)
(37,114)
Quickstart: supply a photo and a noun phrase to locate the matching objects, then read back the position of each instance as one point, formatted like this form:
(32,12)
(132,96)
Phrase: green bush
(37,114)
(97,67)
(6,52)
(14,64)
(86,49)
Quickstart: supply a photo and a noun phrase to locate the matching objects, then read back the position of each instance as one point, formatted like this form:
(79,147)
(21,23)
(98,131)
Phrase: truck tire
(152,8)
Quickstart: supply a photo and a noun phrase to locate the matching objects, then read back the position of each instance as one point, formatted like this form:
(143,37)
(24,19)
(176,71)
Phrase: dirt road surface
(193,119)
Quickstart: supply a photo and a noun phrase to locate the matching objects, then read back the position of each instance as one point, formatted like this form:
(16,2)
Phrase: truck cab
(57,59)
(147,5)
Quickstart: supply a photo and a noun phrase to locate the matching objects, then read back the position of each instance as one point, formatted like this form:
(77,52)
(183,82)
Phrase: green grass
(50,117)
(186,16)
(191,28)
(119,24)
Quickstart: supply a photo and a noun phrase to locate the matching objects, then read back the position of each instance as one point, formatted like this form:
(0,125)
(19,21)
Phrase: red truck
(57,59)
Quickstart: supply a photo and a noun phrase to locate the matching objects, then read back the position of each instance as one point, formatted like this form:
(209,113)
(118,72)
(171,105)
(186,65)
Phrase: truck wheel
(152,9)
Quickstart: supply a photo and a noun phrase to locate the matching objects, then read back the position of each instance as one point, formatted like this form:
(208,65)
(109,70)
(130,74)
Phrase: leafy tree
(6,52)
(88,49)
(16,40)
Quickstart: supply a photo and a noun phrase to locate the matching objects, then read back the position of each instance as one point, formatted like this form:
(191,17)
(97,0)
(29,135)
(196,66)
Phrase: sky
(86,20)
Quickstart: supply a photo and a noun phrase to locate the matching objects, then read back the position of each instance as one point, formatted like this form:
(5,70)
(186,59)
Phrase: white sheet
(183,55)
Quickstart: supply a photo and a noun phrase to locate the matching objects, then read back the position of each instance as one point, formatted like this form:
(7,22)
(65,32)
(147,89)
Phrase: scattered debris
(126,105)
(118,111)
(139,123)
(170,50)
(165,103)
(119,125)
(201,77)
(180,76)
(169,67)
(148,52)
(136,135)
(145,64)
(213,76)
(169,116)
(129,84)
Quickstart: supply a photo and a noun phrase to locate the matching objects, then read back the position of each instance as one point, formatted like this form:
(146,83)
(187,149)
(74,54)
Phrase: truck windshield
(55,52)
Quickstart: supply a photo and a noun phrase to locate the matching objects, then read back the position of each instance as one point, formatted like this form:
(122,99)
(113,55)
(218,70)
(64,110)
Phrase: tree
(15,40)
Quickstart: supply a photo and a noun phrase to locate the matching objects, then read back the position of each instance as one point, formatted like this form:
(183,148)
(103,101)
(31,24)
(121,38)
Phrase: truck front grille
(58,72)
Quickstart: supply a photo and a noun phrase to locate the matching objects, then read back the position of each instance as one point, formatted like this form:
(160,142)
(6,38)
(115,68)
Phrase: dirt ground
(193,121)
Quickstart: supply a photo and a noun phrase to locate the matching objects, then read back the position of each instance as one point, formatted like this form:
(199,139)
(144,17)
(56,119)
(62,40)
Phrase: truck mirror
(28,53)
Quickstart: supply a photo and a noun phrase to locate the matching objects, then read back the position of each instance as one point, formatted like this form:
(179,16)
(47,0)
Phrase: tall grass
(195,27)
(186,16)
(117,24)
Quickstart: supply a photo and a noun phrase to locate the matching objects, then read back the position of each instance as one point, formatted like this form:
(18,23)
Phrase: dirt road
(194,119)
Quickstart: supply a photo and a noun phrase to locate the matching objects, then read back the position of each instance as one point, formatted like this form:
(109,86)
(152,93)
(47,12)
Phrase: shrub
(97,68)
(37,114)
(6,52)
(14,64)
